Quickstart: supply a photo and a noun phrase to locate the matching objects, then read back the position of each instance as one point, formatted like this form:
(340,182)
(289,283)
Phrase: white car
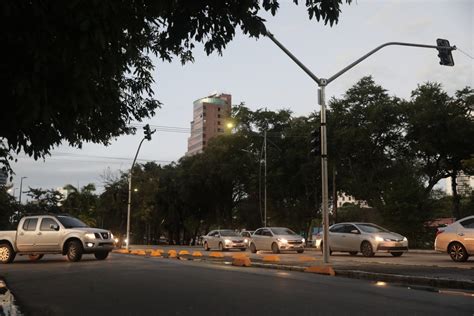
(457,239)
(224,239)
(276,239)
(366,238)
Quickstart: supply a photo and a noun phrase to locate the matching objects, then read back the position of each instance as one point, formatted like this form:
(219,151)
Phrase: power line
(457,48)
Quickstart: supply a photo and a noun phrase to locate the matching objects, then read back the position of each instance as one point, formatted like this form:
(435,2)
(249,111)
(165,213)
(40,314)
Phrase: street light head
(444,54)
(230,125)
(135,190)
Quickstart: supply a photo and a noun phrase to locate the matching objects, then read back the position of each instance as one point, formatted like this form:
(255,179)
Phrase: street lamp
(21,187)
(444,54)
(147,136)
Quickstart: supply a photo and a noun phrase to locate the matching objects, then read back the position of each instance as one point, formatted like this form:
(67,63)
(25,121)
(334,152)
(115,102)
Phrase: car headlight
(227,241)
(282,240)
(303,240)
(116,240)
(405,239)
(112,236)
(379,239)
(90,235)
(246,240)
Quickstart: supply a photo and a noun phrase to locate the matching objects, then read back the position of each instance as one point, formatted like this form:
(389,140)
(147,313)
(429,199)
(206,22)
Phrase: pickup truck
(54,234)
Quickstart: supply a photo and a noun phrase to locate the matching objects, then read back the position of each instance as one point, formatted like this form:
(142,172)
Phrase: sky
(259,74)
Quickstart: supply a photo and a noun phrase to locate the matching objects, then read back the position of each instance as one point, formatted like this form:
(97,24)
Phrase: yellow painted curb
(216,255)
(172,254)
(183,252)
(197,254)
(156,253)
(271,258)
(306,258)
(241,262)
(328,270)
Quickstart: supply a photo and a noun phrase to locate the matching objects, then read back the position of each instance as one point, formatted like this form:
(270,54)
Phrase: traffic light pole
(322,83)
(130,194)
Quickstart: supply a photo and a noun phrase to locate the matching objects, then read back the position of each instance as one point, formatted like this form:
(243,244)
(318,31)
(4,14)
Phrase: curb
(353,274)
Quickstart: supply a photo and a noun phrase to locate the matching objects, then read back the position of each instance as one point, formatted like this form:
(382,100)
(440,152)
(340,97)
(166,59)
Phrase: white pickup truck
(54,234)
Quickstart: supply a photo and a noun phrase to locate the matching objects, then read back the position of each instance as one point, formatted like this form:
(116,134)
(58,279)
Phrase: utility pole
(265,179)
(444,50)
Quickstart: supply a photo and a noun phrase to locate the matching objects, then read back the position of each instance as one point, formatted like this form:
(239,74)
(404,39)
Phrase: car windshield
(229,233)
(70,222)
(371,228)
(283,231)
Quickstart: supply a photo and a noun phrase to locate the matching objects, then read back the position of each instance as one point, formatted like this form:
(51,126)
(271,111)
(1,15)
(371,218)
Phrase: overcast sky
(258,73)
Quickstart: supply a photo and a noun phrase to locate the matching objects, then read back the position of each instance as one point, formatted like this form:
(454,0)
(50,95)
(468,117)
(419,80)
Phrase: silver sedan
(276,239)
(366,238)
(224,239)
(457,239)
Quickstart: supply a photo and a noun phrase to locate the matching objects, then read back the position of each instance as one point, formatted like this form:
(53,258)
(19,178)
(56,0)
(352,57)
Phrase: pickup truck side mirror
(54,227)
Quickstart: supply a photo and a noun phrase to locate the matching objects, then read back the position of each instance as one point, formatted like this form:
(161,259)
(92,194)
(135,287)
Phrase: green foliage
(80,71)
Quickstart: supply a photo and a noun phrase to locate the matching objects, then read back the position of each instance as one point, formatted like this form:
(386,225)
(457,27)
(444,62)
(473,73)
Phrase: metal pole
(130,196)
(265,181)
(324,174)
(21,187)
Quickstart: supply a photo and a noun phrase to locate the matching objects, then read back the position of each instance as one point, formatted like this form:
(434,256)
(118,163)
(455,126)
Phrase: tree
(82,204)
(440,133)
(80,71)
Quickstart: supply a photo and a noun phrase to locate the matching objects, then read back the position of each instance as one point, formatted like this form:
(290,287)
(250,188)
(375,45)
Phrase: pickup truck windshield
(70,222)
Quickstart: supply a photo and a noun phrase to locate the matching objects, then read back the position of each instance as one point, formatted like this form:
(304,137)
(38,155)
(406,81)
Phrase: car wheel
(221,247)
(253,249)
(397,254)
(275,248)
(300,250)
(35,257)
(101,255)
(366,249)
(7,254)
(74,251)
(206,247)
(353,253)
(457,252)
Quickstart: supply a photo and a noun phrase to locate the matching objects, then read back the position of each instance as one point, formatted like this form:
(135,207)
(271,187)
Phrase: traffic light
(444,54)
(316,142)
(148,132)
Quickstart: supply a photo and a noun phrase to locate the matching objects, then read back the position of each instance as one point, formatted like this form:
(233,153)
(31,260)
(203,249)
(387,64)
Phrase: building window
(204,142)
(219,130)
(218,116)
(218,109)
(218,122)
(203,135)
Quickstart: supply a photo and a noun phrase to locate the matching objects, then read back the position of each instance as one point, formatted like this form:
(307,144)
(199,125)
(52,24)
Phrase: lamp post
(444,50)
(147,136)
(21,187)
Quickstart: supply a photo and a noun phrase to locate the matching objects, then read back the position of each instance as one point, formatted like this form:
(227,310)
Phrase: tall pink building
(210,115)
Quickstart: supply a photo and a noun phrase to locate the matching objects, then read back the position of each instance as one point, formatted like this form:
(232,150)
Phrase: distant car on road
(276,239)
(223,239)
(247,234)
(457,239)
(366,238)
(58,234)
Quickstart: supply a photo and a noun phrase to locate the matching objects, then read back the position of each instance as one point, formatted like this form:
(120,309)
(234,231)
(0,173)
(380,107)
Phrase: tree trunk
(456,197)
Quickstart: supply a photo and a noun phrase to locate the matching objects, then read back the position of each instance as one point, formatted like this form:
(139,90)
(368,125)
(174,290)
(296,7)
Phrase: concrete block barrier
(197,254)
(183,252)
(216,255)
(241,261)
(327,270)
(172,254)
(156,253)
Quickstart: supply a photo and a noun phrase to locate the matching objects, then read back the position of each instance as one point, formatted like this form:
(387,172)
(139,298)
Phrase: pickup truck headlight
(90,235)
(282,240)
(227,241)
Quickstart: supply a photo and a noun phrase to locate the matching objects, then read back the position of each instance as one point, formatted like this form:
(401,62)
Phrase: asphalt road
(132,285)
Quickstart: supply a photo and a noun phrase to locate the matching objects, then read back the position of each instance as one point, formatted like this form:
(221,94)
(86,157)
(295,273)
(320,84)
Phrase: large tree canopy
(80,71)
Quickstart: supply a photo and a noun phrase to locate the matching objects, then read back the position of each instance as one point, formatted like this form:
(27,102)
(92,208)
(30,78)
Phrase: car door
(210,239)
(267,239)
(335,239)
(48,235)
(350,239)
(26,235)
(466,235)
(256,238)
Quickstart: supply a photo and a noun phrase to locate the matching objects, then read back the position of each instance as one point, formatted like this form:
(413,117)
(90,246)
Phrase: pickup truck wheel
(7,254)
(74,251)
(101,255)
(35,257)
